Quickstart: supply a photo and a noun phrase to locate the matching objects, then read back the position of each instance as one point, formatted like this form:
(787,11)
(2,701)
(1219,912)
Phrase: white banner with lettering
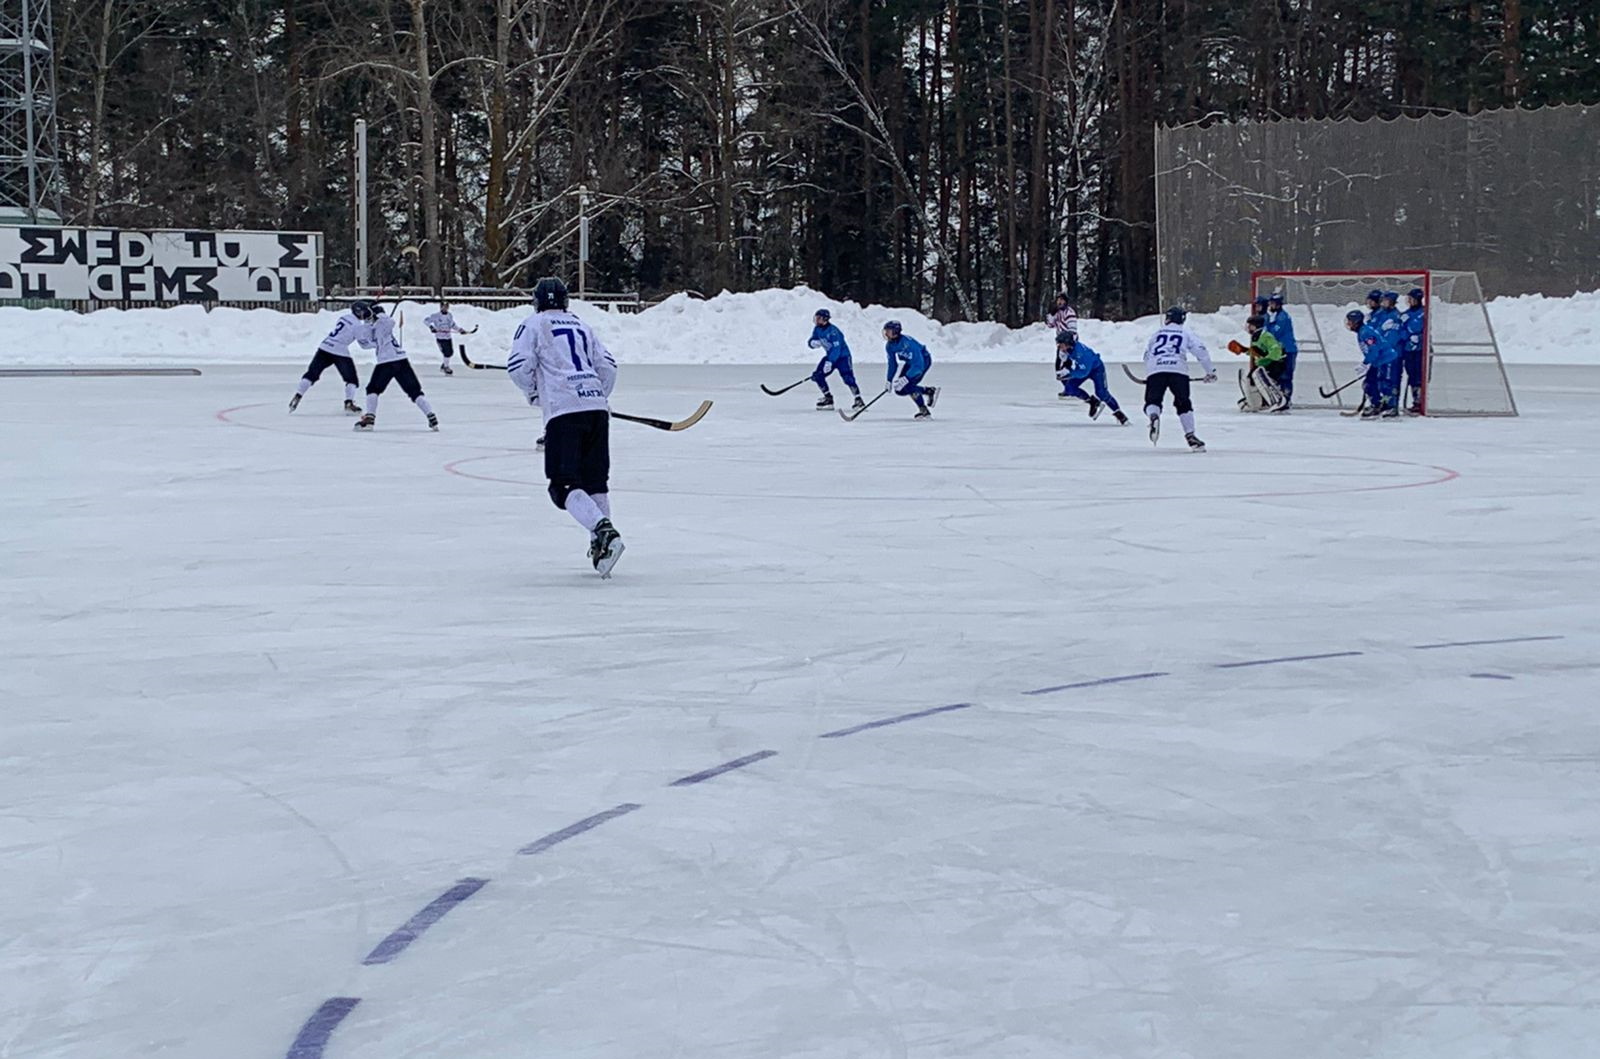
(124,265)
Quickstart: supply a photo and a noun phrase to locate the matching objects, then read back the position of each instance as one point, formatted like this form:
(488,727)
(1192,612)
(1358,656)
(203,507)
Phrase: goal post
(1463,374)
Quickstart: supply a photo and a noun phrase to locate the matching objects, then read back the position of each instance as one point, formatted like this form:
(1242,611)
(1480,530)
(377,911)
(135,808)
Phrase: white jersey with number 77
(561,365)
(1170,349)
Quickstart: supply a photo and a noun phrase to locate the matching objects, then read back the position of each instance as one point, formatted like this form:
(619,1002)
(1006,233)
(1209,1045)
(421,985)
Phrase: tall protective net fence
(1513,195)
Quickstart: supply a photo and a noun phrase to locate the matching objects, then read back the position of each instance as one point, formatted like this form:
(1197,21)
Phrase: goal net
(1462,371)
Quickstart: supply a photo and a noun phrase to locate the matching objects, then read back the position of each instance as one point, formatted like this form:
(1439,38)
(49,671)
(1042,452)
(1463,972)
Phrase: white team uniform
(561,365)
(383,340)
(443,325)
(1169,350)
(346,331)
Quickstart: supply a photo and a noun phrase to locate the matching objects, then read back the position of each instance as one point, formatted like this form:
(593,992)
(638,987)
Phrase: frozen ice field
(1288,750)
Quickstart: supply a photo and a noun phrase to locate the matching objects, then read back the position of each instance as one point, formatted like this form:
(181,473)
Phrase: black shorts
(345,366)
(399,371)
(577,454)
(446,346)
(1161,383)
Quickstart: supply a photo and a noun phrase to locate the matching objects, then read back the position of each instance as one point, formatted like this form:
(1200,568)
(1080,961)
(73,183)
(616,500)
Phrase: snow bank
(763,327)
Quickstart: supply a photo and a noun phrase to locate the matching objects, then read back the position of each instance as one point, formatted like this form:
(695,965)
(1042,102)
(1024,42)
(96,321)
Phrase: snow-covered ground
(1286,749)
(764,327)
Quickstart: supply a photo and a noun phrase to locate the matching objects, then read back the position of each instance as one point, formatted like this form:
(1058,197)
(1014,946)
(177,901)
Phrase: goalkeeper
(1261,387)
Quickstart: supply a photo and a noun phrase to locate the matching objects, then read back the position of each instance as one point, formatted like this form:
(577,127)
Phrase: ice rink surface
(281,705)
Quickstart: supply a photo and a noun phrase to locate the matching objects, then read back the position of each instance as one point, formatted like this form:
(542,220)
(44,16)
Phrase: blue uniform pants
(1101,391)
(1286,381)
(911,387)
(1382,384)
(846,370)
(1413,364)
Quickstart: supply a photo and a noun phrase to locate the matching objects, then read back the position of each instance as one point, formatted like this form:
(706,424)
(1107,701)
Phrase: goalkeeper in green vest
(1262,386)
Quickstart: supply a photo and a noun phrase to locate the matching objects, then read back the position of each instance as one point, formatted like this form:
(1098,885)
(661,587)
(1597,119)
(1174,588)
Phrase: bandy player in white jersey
(443,326)
(392,367)
(1166,366)
(563,367)
(354,326)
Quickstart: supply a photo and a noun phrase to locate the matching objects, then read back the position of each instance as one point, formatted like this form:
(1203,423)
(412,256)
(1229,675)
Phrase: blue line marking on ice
(1094,683)
(313,1036)
(1287,658)
(726,766)
(412,929)
(588,823)
(1482,643)
(1491,676)
(900,719)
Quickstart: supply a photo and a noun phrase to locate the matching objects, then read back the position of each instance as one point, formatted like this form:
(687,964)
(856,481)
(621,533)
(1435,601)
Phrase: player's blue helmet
(1417,293)
(1355,316)
(824,314)
(1177,314)
(1390,296)
(1259,303)
(1275,298)
(1374,295)
(893,328)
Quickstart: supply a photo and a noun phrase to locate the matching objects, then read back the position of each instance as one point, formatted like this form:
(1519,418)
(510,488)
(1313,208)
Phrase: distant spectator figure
(1063,317)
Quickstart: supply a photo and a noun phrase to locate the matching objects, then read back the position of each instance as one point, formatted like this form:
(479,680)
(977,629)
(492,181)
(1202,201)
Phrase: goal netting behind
(1463,374)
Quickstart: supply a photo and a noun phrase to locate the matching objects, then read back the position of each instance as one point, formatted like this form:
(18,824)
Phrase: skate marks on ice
(315,1035)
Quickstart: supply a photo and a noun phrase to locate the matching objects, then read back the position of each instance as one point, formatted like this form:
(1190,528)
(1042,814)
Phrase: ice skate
(1122,418)
(605,547)
(931,395)
(294,402)
(538,446)
(858,404)
(1064,396)
(825,402)
(1195,443)
(433,422)
(351,408)
(1155,429)
(445,367)
(1371,411)
(1390,411)
(366,422)
(1095,407)
(923,413)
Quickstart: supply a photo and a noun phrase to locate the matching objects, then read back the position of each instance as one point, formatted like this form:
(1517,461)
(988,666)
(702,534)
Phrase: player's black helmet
(1355,316)
(1066,338)
(1374,295)
(1177,314)
(1259,304)
(893,328)
(1417,293)
(1275,298)
(824,314)
(549,293)
(1257,322)
(363,308)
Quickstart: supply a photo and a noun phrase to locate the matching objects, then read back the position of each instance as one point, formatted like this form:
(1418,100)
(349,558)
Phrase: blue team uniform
(1380,352)
(910,359)
(1279,326)
(1086,366)
(835,357)
(1413,325)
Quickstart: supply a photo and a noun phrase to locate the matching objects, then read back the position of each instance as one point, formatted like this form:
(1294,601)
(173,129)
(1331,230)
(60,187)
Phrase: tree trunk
(433,271)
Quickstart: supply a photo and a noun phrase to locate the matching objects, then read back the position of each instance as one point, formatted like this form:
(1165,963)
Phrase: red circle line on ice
(1438,476)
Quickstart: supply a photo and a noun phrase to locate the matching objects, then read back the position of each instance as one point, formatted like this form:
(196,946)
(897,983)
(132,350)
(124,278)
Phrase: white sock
(581,506)
(422,403)
(372,404)
(350,391)
(1152,411)
(603,501)
(1187,419)
(304,387)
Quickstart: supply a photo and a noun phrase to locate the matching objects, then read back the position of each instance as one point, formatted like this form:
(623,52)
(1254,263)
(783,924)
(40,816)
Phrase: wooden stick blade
(667,424)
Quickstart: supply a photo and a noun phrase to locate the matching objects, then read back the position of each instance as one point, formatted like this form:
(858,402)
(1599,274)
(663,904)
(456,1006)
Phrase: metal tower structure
(30,146)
